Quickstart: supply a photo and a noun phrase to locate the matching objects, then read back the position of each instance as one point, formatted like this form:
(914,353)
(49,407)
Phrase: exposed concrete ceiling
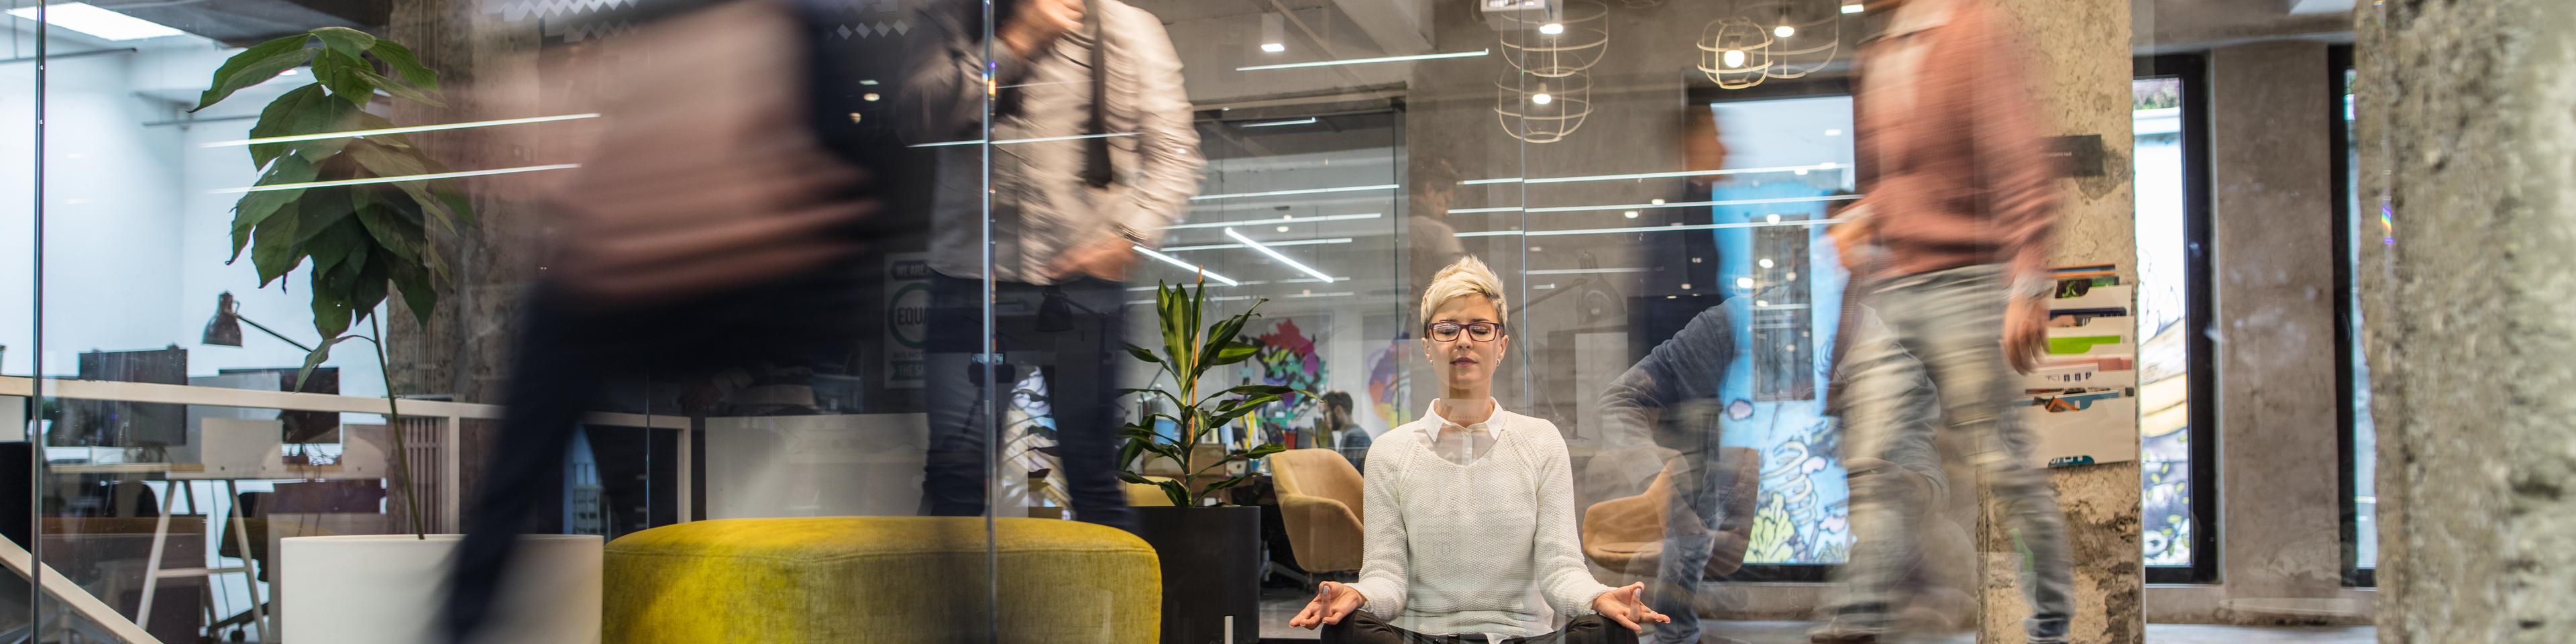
(2187,25)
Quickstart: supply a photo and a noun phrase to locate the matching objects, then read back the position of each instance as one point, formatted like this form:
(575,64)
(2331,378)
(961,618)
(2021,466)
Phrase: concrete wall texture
(2466,134)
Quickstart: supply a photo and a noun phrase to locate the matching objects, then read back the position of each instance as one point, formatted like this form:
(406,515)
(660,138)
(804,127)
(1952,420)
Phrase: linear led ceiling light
(1194,268)
(1041,139)
(1283,220)
(96,22)
(1292,242)
(401,130)
(395,179)
(1274,254)
(1367,61)
(1304,121)
(1300,191)
(1643,229)
(1655,175)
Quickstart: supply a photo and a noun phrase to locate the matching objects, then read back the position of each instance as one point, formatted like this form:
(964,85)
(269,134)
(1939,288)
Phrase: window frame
(2192,70)
(2347,449)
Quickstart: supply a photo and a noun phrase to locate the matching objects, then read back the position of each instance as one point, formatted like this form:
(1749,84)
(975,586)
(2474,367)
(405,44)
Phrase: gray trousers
(1945,327)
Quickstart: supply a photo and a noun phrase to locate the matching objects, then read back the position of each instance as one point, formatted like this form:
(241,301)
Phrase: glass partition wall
(745,282)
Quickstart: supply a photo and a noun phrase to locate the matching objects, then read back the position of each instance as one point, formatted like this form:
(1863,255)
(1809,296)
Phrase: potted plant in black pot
(1210,549)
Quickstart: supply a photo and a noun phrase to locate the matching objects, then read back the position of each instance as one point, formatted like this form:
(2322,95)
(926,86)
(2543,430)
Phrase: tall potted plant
(1210,549)
(342,192)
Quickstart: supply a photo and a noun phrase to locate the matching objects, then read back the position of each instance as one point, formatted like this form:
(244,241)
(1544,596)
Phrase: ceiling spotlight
(1542,98)
(1852,8)
(1658,201)
(1283,229)
(1274,38)
(1629,214)
(1765,263)
(1773,218)
(1552,28)
(1800,172)
(1834,132)
(1744,282)
(1734,58)
(1784,31)
(1762,303)
(869,97)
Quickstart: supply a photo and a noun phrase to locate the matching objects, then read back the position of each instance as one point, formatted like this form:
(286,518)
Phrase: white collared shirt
(1461,444)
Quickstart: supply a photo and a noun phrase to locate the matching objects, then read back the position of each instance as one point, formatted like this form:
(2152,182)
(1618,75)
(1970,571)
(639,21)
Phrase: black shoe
(1821,638)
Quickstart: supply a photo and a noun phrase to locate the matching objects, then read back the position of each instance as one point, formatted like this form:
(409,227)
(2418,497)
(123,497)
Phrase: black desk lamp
(225,329)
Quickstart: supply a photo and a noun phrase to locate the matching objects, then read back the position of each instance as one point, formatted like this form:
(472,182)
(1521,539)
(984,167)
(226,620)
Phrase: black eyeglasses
(1479,331)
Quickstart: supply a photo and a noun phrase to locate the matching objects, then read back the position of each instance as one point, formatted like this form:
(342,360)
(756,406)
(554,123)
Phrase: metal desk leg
(250,568)
(152,564)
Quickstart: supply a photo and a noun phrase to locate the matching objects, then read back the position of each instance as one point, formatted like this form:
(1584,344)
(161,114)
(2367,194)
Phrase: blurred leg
(1961,317)
(1887,496)
(556,374)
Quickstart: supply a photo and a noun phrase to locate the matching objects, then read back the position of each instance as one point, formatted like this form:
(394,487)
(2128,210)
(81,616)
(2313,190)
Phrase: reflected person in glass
(1092,154)
(1471,509)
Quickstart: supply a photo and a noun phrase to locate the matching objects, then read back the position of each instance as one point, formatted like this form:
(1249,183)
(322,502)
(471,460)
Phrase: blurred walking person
(1950,249)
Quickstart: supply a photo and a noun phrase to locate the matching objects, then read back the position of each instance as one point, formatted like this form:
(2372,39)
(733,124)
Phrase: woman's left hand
(1626,606)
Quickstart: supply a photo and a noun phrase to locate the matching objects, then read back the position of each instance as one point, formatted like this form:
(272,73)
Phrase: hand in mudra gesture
(1626,606)
(1333,601)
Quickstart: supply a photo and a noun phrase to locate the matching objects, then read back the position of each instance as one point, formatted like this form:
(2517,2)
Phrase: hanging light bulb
(1542,98)
(1552,28)
(1784,31)
(1734,58)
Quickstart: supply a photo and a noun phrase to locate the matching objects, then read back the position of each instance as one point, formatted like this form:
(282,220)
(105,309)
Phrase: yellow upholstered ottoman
(896,580)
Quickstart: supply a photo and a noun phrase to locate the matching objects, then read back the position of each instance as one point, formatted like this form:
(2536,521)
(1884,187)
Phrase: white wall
(134,240)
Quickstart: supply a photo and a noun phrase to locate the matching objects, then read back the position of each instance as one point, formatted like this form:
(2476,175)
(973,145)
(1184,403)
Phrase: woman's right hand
(1333,601)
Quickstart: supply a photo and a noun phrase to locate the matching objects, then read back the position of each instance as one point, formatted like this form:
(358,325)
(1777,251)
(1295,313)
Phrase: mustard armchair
(1320,506)
(1626,535)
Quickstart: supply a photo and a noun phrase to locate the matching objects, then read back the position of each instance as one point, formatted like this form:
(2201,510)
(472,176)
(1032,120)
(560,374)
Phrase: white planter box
(390,588)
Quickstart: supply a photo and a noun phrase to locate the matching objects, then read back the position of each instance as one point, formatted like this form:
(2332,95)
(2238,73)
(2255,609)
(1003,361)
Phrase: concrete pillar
(2080,62)
(2271,218)
(2466,139)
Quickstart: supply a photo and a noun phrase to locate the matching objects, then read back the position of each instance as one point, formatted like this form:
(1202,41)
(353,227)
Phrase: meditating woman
(1471,509)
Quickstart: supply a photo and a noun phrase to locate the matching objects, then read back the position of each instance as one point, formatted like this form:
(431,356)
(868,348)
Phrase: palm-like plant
(1188,353)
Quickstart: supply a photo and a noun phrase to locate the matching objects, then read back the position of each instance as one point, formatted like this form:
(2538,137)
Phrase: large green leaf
(406,64)
(330,307)
(345,41)
(1142,354)
(254,66)
(332,246)
(398,89)
(317,213)
(279,119)
(259,206)
(343,75)
(385,226)
(1180,496)
(316,357)
(1235,354)
(1237,409)
(389,162)
(273,250)
(418,292)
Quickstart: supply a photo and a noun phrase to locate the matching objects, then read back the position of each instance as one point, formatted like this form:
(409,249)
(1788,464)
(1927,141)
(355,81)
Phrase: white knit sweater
(1458,549)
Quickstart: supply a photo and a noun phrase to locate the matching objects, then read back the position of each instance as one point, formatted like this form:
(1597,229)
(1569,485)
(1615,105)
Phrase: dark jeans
(1072,333)
(1361,627)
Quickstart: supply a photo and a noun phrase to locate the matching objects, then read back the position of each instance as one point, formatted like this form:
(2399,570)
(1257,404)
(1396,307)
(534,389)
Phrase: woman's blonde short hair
(1468,276)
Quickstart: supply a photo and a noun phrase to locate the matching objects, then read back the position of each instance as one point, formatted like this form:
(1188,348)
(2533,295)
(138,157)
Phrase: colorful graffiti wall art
(1288,355)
